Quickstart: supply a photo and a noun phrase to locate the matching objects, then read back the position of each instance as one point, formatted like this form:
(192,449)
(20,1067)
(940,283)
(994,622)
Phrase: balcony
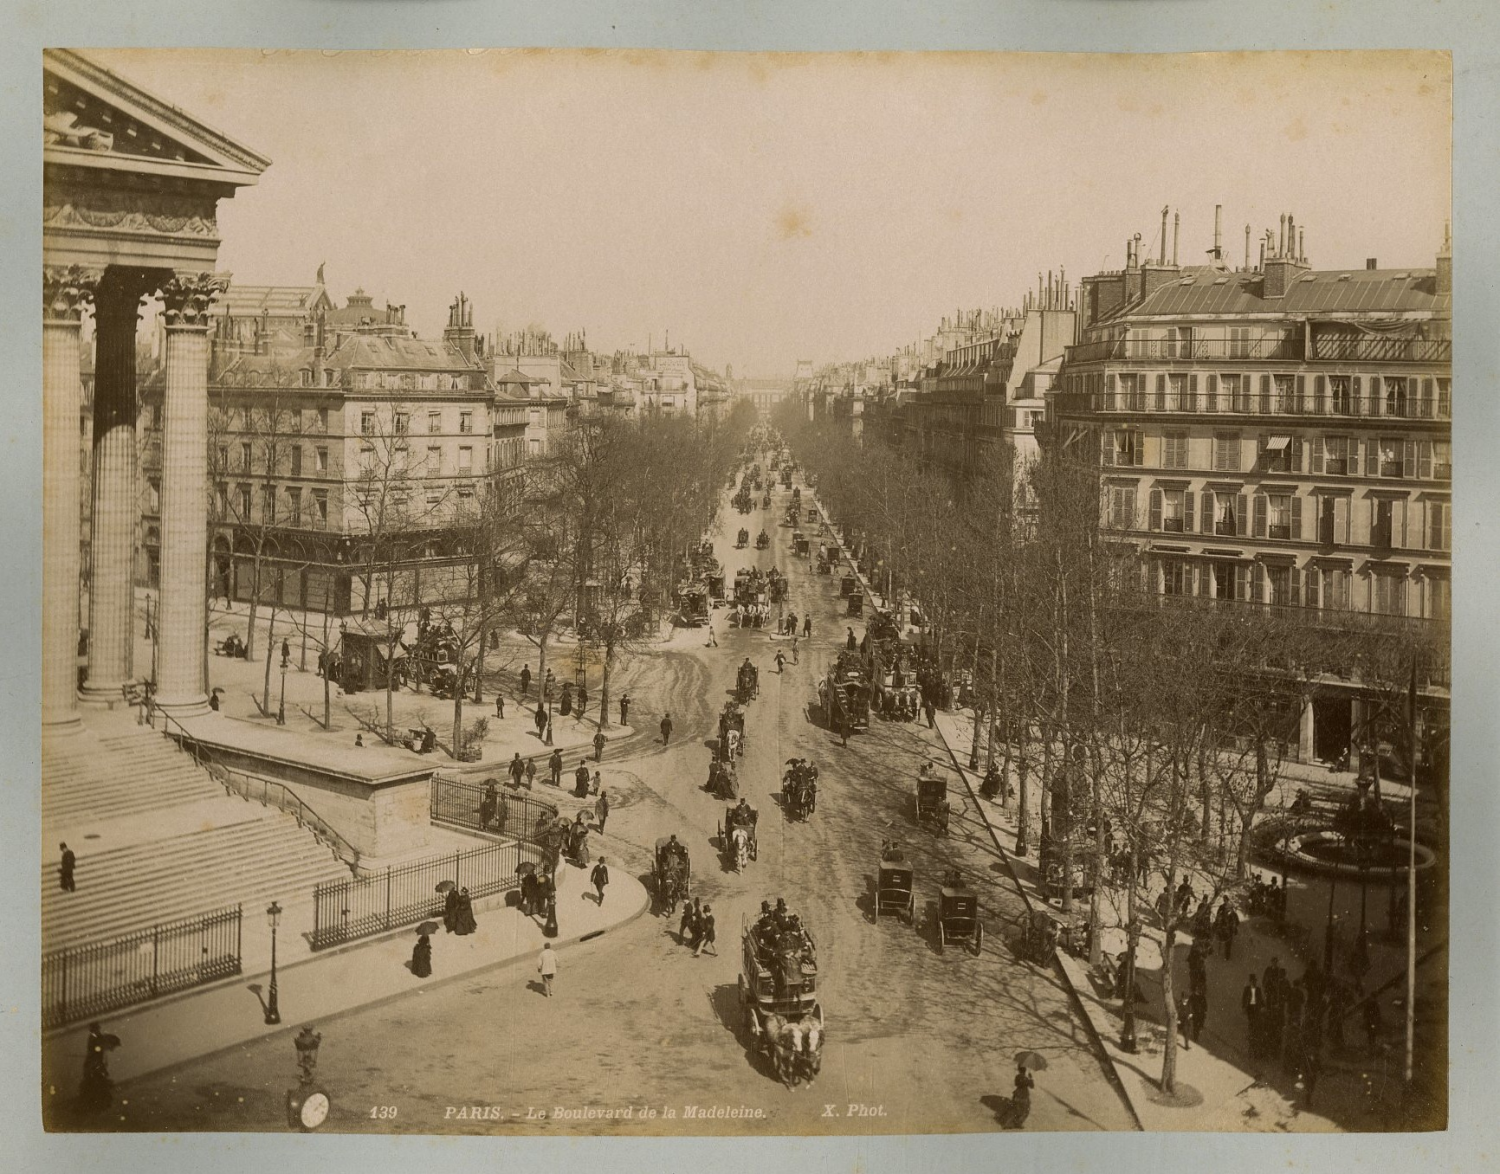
(1376,349)
(1311,406)
(1285,347)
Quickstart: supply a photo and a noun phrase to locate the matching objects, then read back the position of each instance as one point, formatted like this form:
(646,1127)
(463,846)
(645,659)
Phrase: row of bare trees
(1157,723)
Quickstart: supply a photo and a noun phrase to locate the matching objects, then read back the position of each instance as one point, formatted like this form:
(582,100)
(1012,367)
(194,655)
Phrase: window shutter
(1242,516)
(1409,458)
(1310,586)
(1260,515)
(1260,451)
(1315,450)
(1193,579)
(1188,514)
(1357,395)
(1296,517)
(1424,459)
(1296,586)
(1211,394)
(1354,446)
(1265,394)
(1106,449)
(1242,582)
(1301,399)
(1296,454)
(1208,512)
(1434,525)
(1260,584)
(1139,448)
(1192,395)
(1376,407)
(1341,519)
(1320,401)
(1155,521)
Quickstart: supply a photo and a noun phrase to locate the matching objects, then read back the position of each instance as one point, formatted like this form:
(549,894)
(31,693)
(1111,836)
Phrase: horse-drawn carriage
(895,887)
(723,781)
(737,835)
(800,545)
(746,683)
(776,585)
(792,515)
(692,605)
(762,540)
(779,995)
(856,604)
(713,582)
(844,695)
(958,914)
(765,502)
(799,788)
(932,799)
(731,732)
(671,874)
(848,585)
(742,539)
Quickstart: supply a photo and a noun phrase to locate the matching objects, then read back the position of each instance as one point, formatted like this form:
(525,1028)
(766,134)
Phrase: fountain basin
(1326,851)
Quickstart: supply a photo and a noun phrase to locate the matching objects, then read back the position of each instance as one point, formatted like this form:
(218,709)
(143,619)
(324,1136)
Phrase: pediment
(93,118)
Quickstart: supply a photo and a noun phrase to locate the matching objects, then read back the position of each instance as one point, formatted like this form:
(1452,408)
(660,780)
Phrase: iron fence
(79,982)
(407,893)
(515,814)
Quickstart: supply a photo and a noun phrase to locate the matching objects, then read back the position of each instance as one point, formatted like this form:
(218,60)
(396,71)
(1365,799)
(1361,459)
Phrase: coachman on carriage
(932,799)
(742,540)
(671,874)
(799,788)
(762,540)
(737,834)
(895,884)
(746,684)
(779,995)
(958,914)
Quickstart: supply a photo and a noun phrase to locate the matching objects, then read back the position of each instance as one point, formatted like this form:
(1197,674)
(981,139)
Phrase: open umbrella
(525,868)
(428,927)
(444,885)
(1033,1060)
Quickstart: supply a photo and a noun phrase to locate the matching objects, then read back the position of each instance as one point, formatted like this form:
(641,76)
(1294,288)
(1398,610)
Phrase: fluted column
(65,293)
(181,688)
(115,514)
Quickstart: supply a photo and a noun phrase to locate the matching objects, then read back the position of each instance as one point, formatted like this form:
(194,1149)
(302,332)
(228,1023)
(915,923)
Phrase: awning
(1278,442)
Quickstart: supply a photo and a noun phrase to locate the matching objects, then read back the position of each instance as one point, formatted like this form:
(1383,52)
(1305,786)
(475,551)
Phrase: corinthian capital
(187,296)
(66,290)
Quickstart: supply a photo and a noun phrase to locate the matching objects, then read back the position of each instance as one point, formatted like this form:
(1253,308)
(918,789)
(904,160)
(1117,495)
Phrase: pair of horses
(795,1048)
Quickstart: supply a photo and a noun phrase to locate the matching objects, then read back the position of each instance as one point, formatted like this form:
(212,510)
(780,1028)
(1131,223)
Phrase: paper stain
(1296,130)
(793,222)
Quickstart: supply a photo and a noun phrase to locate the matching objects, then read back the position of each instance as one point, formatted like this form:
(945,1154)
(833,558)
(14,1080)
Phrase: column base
(61,724)
(103,696)
(191,705)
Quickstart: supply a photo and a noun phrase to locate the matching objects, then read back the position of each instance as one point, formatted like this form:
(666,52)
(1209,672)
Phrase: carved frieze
(169,213)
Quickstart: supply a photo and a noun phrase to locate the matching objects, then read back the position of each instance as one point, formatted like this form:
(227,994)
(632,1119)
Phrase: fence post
(387,896)
(155,957)
(239,936)
(457,857)
(63,1001)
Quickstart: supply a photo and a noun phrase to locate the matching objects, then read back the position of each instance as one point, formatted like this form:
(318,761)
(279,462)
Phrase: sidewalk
(199,1023)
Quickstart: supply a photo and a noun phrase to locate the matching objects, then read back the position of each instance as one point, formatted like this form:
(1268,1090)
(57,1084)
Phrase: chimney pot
(1370,263)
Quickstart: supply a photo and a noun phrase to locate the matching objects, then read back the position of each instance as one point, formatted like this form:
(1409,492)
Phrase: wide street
(917,1040)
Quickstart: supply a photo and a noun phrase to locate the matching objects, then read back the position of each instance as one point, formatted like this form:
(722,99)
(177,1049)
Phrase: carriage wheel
(911,909)
(942,935)
(978,937)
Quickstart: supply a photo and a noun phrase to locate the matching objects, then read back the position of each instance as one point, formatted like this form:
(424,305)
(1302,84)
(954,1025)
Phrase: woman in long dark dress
(421,957)
(1020,1101)
(450,910)
(464,922)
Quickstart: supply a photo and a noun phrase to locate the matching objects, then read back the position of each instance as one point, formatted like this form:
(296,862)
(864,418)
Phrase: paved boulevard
(923,1039)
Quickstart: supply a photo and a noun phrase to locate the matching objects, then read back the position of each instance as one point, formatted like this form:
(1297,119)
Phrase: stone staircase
(157,838)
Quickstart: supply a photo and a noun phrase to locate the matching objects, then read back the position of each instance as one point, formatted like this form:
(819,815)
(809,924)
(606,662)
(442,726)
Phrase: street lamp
(281,708)
(1127,1011)
(273,919)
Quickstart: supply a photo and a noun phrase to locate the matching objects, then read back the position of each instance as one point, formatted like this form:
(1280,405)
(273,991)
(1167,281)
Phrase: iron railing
(407,893)
(263,791)
(1244,403)
(93,978)
(519,816)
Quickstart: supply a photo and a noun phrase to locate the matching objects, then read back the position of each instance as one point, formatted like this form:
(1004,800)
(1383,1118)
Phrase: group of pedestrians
(1290,1023)
(697,928)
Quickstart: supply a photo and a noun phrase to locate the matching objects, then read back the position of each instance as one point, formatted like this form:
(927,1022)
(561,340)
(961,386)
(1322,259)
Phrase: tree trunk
(1205,792)
(1023,799)
(254,608)
(609,659)
(458,713)
(327,671)
(1169,1051)
(479,666)
(265,704)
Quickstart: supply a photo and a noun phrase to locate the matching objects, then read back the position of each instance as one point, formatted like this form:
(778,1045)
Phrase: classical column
(115,514)
(181,688)
(65,293)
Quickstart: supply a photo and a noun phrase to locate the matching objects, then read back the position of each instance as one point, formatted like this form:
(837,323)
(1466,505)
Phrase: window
(1445,398)
(1327,519)
(1228,514)
(296,460)
(534,447)
(1395,396)
(403,423)
(1226,452)
(1285,391)
(221,499)
(1282,582)
(535,420)
(223,455)
(244,502)
(1283,515)
(1391,451)
(1161,393)
(268,504)
(153,496)
(1439,525)
(1237,388)
(465,459)
(1442,460)
(1225,574)
(1280,454)
(1128,449)
(1337,456)
(1176,579)
(1439,598)
(1176,393)
(323,417)
(1382,516)
(367,423)
(466,423)
(1122,507)
(320,459)
(320,508)
(1335,589)
(294,502)
(1239,342)
(434,461)
(245,456)
(1174,450)
(434,421)
(1211,393)
(1388,593)
(1340,396)
(366,460)
(434,494)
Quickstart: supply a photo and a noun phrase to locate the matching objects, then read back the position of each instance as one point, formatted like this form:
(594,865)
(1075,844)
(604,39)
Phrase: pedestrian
(844,728)
(359,741)
(1198,966)
(688,930)
(807,626)
(547,968)
(601,809)
(1252,999)
(1229,928)
(541,720)
(706,933)
(530,772)
(1185,1019)
(583,702)
(96,1089)
(850,644)
(1184,897)
(464,923)
(581,780)
(517,768)
(548,686)
(213,701)
(598,745)
(65,869)
(599,878)
(421,957)
(1198,1008)
(780,661)
(795,658)
(712,641)
(666,729)
(931,712)
(525,679)
(450,909)
(1020,1101)
(286,653)
(624,708)
(555,766)
(565,703)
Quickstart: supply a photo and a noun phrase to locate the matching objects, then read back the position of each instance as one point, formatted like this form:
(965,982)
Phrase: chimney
(1301,250)
(1247,246)
(1291,237)
(1281,245)
(1218,250)
(1370,263)
(1445,261)
(1284,268)
(1176,224)
(1163,258)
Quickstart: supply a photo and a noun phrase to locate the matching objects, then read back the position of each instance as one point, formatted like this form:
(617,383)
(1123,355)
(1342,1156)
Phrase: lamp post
(1127,1010)
(281,707)
(273,919)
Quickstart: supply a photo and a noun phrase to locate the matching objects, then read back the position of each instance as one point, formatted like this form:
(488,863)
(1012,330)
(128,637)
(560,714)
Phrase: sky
(764,208)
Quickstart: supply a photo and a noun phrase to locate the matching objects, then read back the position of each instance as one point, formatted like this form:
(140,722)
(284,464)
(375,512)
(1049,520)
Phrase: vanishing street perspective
(647,594)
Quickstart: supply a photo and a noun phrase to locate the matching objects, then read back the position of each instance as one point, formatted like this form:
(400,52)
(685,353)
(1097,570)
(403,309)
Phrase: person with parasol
(96,1089)
(463,922)
(421,953)
(449,889)
(1019,1107)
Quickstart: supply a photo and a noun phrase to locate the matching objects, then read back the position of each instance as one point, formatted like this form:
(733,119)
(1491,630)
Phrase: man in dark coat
(517,769)
(65,869)
(1252,1000)
(688,930)
(601,809)
(624,708)
(525,679)
(666,729)
(599,878)
(1228,928)
(850,644)
(1198,1009)
(555,765)
(598,745)
(541,720)
(706,933)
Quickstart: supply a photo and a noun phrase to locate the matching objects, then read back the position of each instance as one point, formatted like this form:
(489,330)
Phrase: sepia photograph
(716,594)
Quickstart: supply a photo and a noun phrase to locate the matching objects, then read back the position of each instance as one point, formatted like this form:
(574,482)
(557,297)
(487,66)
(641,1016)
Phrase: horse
(810,1058)
(739,840)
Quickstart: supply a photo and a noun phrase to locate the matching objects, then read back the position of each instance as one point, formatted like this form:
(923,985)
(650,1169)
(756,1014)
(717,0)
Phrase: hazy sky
(767,207)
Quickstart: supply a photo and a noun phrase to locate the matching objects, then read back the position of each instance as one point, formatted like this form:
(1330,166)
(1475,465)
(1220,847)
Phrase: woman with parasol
(1019,1107)
(96,1089)
(450,904)
(421,953)
(464,923)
